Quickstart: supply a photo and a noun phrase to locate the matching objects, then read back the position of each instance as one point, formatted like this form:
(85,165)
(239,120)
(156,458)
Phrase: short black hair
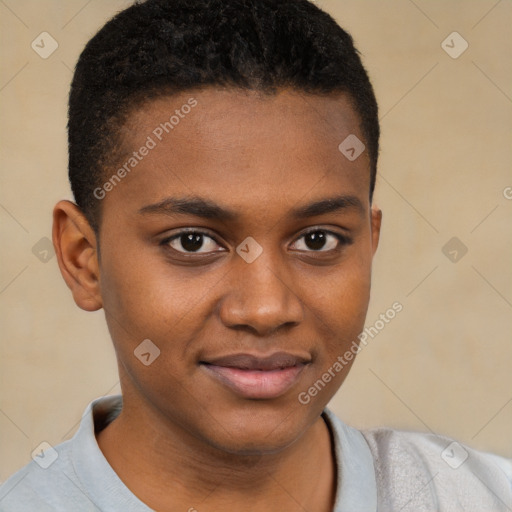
(163,47)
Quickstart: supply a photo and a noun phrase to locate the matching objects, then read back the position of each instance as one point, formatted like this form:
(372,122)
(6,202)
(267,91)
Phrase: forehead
(224,117)
(239,147)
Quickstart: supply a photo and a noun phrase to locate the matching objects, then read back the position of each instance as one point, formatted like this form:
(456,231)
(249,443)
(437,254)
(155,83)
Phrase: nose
(261,298)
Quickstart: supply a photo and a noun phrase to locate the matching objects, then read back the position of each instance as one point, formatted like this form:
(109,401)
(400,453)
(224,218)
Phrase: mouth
(257,377)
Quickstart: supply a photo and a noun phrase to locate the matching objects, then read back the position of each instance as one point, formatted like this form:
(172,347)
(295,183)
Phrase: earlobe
(376,222)
(76,249)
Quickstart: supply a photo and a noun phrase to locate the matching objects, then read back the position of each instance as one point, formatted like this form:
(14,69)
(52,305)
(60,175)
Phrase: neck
(169,469)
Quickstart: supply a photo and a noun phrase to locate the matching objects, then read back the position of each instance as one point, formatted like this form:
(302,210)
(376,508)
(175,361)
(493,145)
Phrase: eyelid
(191,229)
(314,229)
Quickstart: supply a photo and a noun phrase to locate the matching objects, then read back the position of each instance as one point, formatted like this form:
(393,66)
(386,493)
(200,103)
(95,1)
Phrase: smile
(257,377)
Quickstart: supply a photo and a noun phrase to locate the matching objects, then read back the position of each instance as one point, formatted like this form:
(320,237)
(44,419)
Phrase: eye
(320,240)
(187,242)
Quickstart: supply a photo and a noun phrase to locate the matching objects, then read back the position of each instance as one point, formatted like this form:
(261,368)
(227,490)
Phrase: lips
(257,377)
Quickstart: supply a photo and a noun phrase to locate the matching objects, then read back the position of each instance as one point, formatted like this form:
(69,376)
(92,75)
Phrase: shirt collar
(93,469)
(356,489)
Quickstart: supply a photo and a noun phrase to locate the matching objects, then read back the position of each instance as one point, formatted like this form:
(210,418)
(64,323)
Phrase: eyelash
(342,239)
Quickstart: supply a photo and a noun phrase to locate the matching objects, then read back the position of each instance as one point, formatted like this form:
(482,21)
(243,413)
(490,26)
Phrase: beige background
(444,363)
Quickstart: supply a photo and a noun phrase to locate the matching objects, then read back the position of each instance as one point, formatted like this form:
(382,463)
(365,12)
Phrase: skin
(184,439)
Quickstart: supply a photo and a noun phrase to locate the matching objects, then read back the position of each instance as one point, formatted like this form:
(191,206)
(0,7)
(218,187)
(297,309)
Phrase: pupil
(192,241)
(316,240)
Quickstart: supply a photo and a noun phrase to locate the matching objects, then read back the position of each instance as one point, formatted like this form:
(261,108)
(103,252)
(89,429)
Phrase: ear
(376,220)
(76,248)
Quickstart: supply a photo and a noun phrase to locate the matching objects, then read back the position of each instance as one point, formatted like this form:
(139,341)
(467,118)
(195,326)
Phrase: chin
(264,429)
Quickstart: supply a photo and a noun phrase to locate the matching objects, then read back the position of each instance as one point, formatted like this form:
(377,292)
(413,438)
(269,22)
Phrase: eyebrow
(329,205)
(207,209)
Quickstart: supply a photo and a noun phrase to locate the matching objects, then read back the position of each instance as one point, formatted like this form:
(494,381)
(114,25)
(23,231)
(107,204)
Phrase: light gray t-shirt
(379,469)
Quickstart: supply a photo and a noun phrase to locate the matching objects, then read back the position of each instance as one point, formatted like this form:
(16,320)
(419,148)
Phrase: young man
(222,155)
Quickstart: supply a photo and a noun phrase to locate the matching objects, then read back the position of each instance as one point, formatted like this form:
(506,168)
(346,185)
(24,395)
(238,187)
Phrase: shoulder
(414,468)
(73,475)
(38,485)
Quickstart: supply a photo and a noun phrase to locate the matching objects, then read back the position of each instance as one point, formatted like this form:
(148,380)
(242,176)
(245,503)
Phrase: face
(240,244)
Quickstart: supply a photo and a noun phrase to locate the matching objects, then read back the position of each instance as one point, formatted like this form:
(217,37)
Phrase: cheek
(339,315)
(339,307)
(144,300)
(141,289)
(345,290)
